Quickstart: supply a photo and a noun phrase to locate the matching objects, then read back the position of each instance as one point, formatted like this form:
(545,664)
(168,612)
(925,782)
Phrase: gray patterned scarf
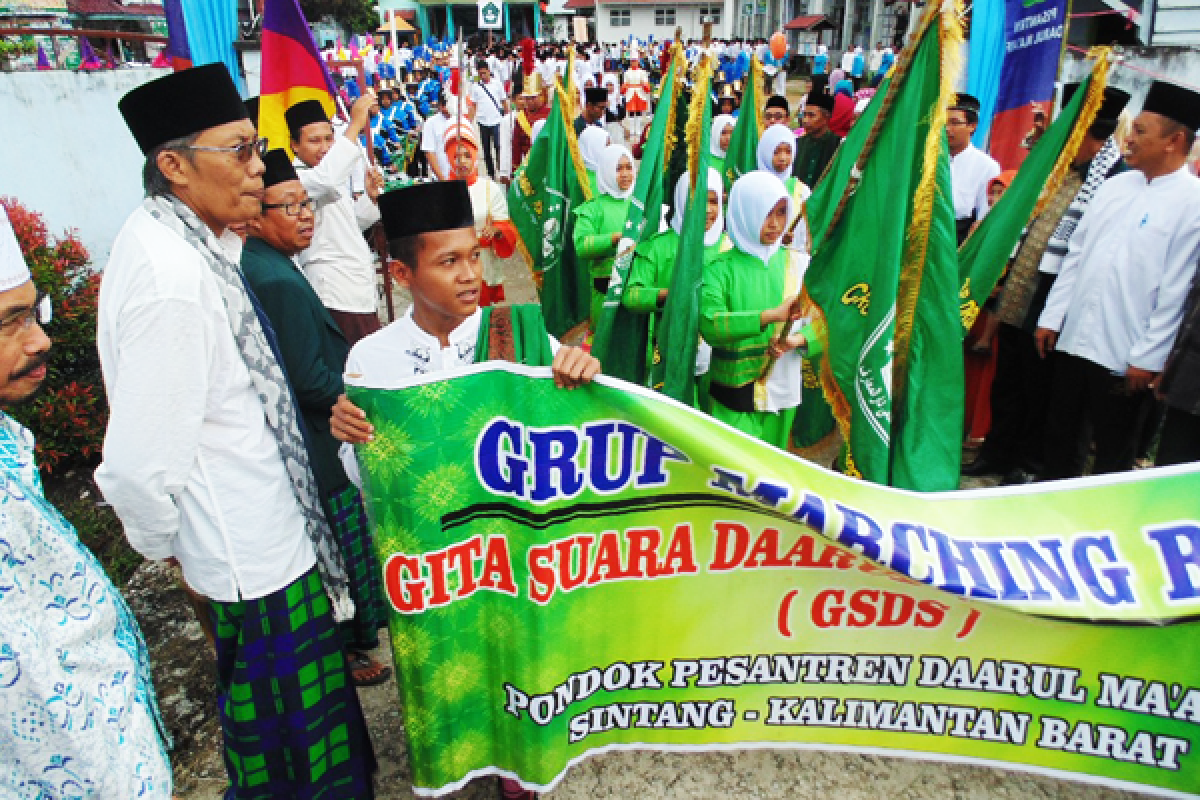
(1097,173)
(271,384)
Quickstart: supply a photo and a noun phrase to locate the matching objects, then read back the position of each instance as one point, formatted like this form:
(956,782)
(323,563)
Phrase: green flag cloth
(679,332)
(893,368)
(742,155)
(544,192)
(984,254)
(814,417)
(621,336)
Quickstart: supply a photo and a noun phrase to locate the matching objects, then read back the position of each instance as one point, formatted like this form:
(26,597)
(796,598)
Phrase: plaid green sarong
(348,519)
(289,713)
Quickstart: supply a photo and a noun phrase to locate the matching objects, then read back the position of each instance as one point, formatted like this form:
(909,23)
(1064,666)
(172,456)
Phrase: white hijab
(592,142)
(714,137)
(773,137)
(609,81)
(750,201)
(606,173)
(715,184)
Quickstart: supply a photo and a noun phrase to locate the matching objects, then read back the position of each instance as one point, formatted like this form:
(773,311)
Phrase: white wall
(642,22)
(68,153)
(1139,68)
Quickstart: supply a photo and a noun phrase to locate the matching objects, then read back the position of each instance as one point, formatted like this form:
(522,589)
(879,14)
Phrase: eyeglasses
(956,123)
(293,209)
(243,151)
(41,312)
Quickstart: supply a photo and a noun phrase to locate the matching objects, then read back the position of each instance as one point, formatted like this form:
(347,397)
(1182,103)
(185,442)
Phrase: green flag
(742,155)
(893,370)
(814,417)
(544,192)
(621,336)
(679,332)
(984,254)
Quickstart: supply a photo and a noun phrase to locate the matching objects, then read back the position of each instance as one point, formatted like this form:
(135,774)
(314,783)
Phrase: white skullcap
(13,270)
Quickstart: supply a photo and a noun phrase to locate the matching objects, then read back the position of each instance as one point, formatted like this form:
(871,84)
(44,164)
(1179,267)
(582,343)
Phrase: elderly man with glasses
(204,458)
(314,352)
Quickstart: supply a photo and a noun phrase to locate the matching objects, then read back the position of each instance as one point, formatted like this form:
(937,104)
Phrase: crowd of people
(242,295)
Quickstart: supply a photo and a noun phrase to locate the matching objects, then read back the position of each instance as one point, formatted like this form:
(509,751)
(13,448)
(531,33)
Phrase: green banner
(606,568)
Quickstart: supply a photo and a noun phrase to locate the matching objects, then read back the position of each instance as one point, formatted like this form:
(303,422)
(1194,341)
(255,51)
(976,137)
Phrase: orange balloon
(778,45)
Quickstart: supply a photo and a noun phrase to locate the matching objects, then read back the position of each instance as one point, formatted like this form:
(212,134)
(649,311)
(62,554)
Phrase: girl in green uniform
(718,141)
(654,264)
(746,298)
(600,222)
(776,151)
(592,142)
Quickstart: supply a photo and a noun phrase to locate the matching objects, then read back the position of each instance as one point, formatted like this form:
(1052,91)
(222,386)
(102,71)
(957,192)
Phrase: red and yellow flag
(292,70)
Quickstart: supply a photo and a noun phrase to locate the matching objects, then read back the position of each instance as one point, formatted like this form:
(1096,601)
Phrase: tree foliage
(358,16)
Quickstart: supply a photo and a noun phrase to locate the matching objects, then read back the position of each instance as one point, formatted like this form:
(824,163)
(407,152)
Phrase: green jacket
(653,267)
(737,289)
(312,346)
(813,154)
(595,223)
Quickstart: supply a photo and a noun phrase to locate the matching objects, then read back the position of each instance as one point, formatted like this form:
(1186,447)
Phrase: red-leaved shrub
(68,417)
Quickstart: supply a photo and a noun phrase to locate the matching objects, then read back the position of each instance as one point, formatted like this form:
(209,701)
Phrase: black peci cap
(595,95)
(966,102)
(1174,102)
(252,109)
(426,208)
(304,113)
(279,168)
(1114,103)
(821,100)
(778,101)
(181,104)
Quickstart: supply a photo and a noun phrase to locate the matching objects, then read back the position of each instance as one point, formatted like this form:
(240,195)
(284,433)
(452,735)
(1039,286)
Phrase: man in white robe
(67,639)
(1116,307)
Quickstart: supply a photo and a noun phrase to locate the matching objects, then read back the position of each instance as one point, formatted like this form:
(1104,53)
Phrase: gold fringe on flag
(756,75)
(573,143)
(693,133)
(912,265)
(679,63)
(1087,115)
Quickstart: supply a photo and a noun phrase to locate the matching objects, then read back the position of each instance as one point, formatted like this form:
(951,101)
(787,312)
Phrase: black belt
(735,398)
(601,284)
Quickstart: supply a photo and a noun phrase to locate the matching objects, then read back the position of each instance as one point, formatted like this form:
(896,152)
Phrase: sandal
(360,663)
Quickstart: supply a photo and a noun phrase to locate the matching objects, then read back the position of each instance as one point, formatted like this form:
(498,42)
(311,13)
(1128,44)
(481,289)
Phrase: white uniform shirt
(190,466)
(1119,297)
(488,101)
(970,173)
(392,357)
(433,141)
(338,263)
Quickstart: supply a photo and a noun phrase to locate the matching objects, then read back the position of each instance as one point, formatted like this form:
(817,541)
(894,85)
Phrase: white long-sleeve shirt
(338,263)
(392,357)
(1119,296)
(970,173)
(190,466)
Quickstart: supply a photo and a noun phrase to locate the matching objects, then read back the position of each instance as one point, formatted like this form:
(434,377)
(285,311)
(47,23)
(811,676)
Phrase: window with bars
(664,16)
(710,14)
(620,18)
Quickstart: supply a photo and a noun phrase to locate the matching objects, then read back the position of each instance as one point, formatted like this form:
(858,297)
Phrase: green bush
(69,416)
